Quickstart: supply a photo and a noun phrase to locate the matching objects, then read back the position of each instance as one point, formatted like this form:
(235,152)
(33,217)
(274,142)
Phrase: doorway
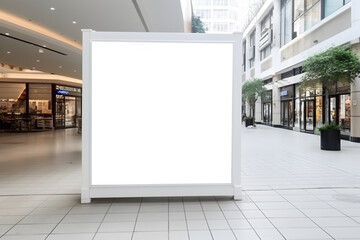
(307,121)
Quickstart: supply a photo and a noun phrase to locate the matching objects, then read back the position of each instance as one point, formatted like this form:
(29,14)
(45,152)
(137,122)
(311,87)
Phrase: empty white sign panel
(161,115)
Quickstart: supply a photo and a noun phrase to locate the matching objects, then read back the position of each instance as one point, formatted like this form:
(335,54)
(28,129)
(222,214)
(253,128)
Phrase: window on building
(266,36)
(307,13)
(207,26)
(252,50)
(244,55)
(331,6)
(233,15)
(203,13)
(220,2)
(220,27)
(220,14)
(285,21)
(202,2)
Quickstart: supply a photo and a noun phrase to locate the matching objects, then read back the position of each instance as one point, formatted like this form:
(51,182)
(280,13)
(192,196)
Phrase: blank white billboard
(161,112)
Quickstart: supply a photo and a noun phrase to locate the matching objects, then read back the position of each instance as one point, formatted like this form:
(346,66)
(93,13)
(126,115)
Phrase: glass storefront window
(318,112)
(333,109)
(297,113)
(40,99)
(344,112)
(70,111)
(12,99)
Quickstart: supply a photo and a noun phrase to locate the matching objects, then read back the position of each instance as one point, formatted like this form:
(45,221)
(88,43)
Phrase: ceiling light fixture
(7,34)
(38,60)
(60,66)
(41,50)
(52,9)
(8,52)
(74,22)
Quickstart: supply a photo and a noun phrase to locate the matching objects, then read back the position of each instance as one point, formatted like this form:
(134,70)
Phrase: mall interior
(291,189)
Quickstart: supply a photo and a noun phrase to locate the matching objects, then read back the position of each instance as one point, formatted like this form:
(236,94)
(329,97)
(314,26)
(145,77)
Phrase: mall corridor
(293,190)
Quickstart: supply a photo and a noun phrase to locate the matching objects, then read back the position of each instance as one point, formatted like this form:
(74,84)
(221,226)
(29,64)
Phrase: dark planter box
(249,122)
(330,140)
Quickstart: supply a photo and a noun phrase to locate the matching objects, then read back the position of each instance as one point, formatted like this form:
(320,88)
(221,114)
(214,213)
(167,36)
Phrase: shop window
(12,99)
(40,99)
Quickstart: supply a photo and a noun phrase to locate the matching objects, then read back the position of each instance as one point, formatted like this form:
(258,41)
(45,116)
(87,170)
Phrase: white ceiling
(104,15)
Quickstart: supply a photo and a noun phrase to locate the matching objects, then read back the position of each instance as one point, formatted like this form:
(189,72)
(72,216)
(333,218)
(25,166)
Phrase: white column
(276,101)
(258,110)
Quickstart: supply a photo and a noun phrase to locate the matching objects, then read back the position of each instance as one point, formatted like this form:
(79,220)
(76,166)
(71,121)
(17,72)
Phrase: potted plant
(249,121)
(337,64)
(251,91)
(330,137)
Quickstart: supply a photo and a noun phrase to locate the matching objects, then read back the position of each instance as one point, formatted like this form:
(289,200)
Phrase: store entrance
(267,113)
(307,121)
(287,113)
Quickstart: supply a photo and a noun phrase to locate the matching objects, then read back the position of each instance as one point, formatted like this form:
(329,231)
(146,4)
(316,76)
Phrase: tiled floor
(292,191)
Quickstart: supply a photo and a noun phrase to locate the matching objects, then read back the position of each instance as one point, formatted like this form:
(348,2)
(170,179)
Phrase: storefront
(267,108)
(37,107)
(287,106)
(67,105)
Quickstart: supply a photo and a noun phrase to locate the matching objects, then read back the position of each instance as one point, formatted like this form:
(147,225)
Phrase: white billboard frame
(89,190)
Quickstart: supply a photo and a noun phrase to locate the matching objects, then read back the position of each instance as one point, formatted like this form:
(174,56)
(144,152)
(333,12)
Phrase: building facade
(218,16)
(277,41)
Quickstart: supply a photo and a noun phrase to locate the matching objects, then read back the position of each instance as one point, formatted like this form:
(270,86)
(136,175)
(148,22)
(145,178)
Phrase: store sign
(62,92)
(283,93)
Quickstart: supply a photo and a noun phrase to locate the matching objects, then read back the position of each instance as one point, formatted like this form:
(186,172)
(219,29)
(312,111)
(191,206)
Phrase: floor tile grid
(227,220)
(202,208)
(186,220)
(59,221)
(107,211)
(309,191)
(340,210)
(34,209)
(306,216)
(254,229)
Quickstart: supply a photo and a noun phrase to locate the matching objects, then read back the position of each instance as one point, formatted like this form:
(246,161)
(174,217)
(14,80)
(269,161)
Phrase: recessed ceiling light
(41,50)
(60,66)
(44,45)
(75,70)
(74,22)
(52,9)
(38,60)
(33,68)
(8,52)
(7,34)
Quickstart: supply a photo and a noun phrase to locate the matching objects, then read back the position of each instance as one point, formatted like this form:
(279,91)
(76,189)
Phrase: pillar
(355,104)
(276,101)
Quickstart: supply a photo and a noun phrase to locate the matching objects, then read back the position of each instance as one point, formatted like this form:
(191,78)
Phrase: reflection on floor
(293,191)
